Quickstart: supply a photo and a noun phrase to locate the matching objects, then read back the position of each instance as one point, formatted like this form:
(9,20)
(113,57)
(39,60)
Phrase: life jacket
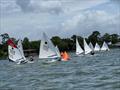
(65,56)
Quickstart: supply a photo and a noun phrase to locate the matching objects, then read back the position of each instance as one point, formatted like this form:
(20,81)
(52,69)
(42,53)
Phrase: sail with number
(97,47)
(87,49)
(47,49)
(79,50)
(105,47)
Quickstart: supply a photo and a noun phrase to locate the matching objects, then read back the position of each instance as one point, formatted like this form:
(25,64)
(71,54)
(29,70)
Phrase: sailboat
(91,46)
(97,47)
(105,47)
(79,50)
(87,49)
(20,47)
(47,49)
(58,52)
(16,54)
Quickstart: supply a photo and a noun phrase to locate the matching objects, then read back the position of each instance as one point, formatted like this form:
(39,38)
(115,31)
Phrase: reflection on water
(98,72)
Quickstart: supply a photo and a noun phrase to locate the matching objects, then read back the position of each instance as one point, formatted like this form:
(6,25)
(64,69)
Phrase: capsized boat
(79,50)
(105,47)
(48,50)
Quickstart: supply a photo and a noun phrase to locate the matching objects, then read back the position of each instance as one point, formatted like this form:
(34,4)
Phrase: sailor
(92,53)
(31,58)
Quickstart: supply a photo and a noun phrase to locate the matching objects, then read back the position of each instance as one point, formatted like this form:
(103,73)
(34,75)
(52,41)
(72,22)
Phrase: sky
(30,18)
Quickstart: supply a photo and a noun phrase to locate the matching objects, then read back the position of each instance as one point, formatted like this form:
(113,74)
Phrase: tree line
(64,44)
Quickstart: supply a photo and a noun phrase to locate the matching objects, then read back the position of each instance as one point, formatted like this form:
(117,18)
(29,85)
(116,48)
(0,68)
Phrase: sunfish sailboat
(20,47)
(97,47)
(47,49)
(79,50)
(91,46)
(87,49)
(105,47)
(15,54)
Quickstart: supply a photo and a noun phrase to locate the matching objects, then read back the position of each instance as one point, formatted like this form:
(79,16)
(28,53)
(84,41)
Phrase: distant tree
(26,43)
(34,44)
(106,37)
(94,37)
(73,38)
(56,40)
(114,38)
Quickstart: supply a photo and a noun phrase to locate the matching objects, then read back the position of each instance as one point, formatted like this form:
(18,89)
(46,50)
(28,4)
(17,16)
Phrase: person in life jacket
(65,56)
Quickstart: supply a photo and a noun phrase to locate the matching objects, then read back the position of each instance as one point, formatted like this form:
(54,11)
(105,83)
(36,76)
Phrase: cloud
(58,17)
(24,5)
(48,6)
(116,1)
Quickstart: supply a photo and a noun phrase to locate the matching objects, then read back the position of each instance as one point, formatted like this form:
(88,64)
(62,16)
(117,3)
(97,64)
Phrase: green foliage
(67,44)
(26,43)
(114,38)
(56,40)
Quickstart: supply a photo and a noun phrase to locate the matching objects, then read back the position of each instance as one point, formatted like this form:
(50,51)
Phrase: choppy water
(99,72)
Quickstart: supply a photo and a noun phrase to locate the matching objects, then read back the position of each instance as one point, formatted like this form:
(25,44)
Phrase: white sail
(91,46)
(87,49)
(105,47)
(58,52)
(79,50)
(14,54)
(47,49)
(97,47)
(20,47)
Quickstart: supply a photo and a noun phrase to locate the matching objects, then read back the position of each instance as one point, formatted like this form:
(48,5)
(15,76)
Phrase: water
(99,72)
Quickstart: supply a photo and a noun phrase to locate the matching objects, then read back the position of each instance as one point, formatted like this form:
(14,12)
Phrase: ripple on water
(99,72)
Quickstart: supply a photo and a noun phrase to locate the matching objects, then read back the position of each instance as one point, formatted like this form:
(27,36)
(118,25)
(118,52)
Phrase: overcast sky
(29,18)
